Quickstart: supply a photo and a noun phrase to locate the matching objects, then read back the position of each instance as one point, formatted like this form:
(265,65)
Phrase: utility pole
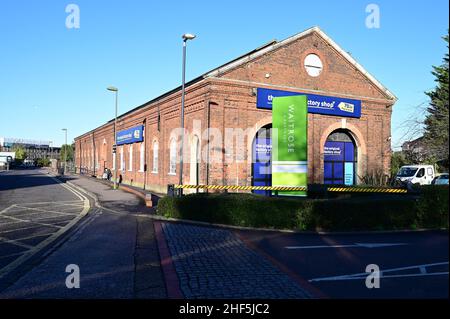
(65,151)
(116,90)
(185,37)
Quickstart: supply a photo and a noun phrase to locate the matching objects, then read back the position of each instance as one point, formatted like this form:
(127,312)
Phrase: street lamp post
(186,37)
(116,90)
(65,151)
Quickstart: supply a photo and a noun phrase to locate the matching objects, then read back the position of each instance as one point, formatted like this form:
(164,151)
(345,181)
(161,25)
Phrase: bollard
(171,190)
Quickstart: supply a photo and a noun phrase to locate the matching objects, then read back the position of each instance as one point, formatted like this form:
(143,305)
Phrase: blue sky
(53,77)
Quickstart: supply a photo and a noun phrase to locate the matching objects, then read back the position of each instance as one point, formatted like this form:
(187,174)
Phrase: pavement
(213,263)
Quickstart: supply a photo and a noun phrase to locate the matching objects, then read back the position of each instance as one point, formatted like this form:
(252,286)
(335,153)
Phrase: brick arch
(250,137)
(252,132)
(360,144)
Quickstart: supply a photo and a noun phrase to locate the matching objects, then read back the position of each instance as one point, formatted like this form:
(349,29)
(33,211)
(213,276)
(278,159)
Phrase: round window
(313,65)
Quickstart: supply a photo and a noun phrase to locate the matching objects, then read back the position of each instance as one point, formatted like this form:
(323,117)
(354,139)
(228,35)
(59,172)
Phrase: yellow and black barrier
(348,189)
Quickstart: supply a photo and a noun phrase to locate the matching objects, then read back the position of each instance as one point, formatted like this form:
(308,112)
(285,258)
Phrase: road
(111,246)
(414,264)
(35,211)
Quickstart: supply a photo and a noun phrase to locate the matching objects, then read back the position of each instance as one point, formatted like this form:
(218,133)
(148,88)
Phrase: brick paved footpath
(215,263)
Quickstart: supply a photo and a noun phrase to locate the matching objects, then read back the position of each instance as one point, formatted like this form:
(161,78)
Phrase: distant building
(415,149)
(34,149)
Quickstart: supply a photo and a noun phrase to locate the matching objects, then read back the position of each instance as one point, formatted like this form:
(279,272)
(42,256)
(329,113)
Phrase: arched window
(122,160)
(130,158)
(173,157)
(142,158)
(155,157)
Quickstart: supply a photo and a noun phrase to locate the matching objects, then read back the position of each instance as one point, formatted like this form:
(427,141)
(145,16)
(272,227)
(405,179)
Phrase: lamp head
(188,36)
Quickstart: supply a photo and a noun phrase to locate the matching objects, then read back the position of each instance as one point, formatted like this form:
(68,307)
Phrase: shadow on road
(23,178)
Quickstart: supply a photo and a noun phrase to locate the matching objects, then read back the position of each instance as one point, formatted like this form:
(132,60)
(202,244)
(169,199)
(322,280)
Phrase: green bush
(433,206)
(379,212)
(43,162)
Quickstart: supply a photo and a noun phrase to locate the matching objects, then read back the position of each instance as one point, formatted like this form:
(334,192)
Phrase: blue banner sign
(319,104)
(131,135)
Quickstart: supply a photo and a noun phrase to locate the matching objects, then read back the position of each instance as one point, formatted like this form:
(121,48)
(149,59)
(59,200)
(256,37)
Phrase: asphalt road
(114,249)
(413,264)
(35,210)
(29,186)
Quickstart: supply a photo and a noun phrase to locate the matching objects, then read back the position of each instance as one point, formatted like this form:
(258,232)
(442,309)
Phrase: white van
(416,174)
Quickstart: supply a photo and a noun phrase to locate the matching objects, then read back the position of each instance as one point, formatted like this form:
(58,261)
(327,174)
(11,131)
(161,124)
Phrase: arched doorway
(340,158)
(262,159)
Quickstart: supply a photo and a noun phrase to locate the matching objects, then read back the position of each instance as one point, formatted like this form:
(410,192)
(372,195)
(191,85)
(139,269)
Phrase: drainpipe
(81,152)
(94,159)
(145,151)
(208,122)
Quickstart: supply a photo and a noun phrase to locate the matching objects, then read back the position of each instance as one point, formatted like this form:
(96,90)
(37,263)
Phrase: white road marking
(360,245)
(61,230)
(6,209)
(12,255)
(363,275)
(43,210)
(14,242)
(28,237)
(75,201)
(18,229)
(31,222)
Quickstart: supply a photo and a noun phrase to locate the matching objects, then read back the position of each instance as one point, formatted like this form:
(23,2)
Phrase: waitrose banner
(289,142)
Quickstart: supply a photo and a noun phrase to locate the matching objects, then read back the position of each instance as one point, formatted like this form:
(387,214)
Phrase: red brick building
(226,97)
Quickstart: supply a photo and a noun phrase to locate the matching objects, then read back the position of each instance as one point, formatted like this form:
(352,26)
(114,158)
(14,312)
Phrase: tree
(69,149)
(43,162)
(436,121)
(398,160)
(21,154)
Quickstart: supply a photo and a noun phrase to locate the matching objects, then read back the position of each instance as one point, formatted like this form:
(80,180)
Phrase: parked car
(441,179)
(416,174)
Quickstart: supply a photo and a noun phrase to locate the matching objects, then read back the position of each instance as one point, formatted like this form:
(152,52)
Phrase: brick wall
(227,101)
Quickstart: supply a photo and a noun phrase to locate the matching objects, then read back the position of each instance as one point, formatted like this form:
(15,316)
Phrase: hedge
(379,212)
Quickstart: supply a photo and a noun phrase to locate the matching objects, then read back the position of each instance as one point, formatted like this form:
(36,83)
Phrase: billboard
(131,135)
(319,104)
(290,146)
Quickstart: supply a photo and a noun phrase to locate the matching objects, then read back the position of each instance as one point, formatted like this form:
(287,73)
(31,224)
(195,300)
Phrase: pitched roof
(268,47)
(275,44)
